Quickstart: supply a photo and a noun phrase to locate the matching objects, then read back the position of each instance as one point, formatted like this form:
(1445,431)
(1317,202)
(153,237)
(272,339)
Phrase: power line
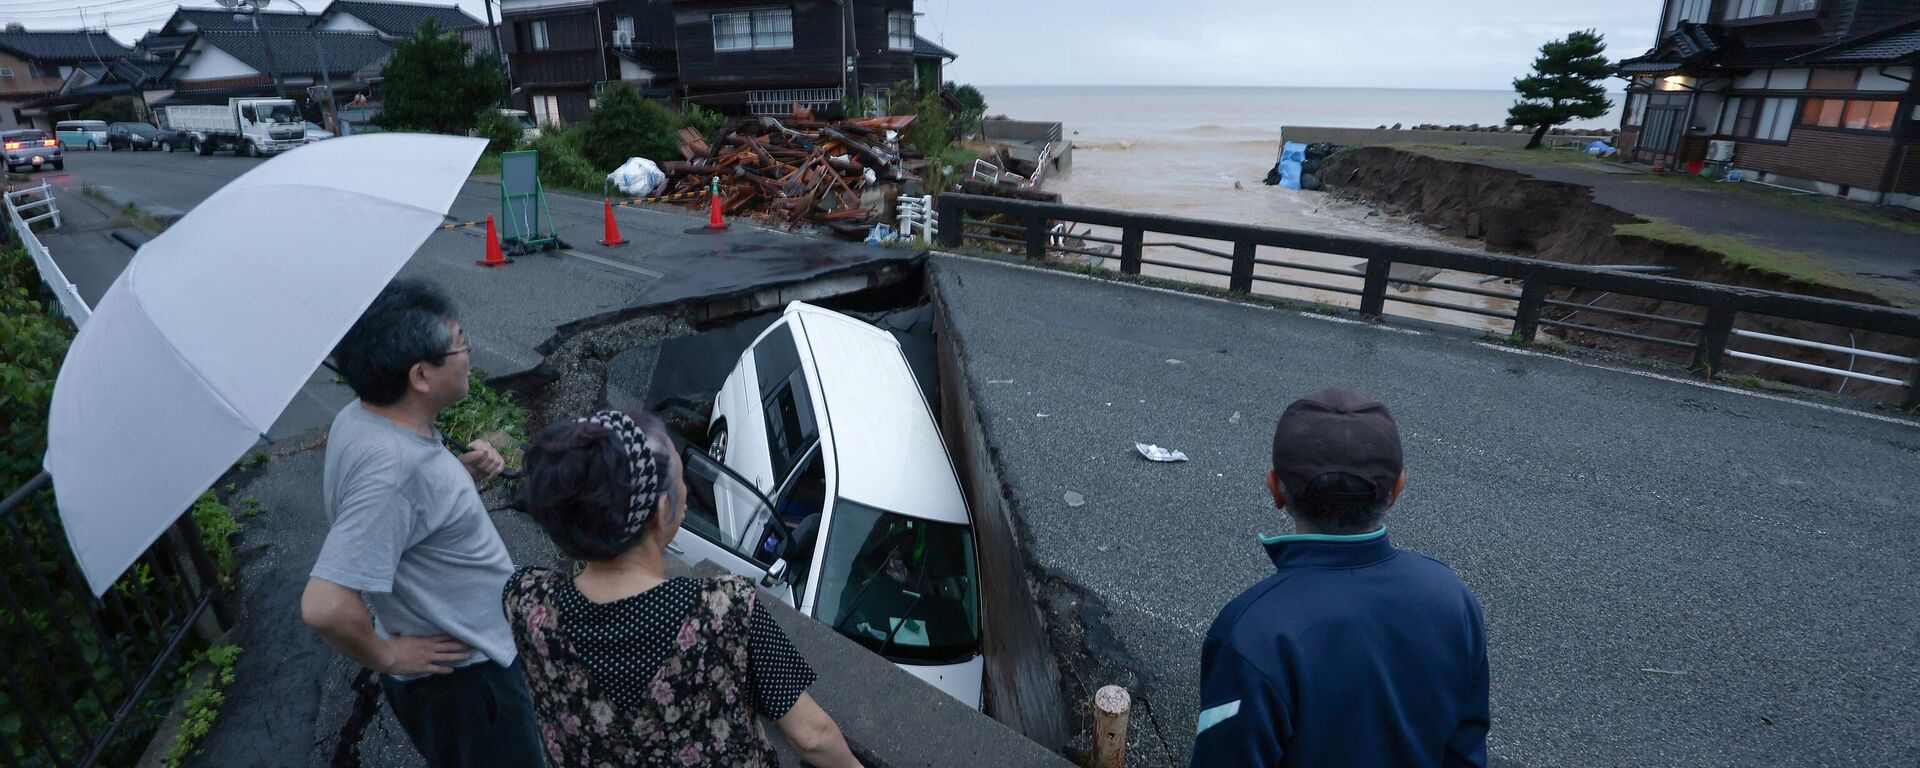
(109,5)
(71,12)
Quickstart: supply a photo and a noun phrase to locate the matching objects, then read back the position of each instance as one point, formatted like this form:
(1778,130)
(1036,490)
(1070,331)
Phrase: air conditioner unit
(622,39)
(1720,151)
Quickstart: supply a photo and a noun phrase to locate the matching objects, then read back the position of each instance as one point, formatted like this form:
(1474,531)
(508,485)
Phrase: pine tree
(1565,84)
(434,82)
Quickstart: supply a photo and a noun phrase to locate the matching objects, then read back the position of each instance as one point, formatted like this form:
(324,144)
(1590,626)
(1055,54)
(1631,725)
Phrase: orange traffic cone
(494,257)
(714,221)
(613,228)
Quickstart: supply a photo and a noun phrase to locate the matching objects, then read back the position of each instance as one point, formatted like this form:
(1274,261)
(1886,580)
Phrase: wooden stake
(1110,710)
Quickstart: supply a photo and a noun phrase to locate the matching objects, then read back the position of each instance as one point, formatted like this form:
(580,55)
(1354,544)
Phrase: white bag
(638,177)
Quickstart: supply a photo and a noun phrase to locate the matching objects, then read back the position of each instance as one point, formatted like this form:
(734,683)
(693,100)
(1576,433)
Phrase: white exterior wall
(346,22)
(211,63)
(1871,78)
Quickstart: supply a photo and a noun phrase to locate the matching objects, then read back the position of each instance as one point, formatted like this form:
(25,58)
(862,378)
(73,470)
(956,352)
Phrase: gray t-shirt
(409,531)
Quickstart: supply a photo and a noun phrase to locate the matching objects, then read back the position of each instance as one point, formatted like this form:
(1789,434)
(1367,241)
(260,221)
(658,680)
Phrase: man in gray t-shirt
(409,538)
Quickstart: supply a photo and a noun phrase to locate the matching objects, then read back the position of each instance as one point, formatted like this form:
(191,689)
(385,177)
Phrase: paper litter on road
(1157,453)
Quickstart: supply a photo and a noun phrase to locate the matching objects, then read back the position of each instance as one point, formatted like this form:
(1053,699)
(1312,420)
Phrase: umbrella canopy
(207,336)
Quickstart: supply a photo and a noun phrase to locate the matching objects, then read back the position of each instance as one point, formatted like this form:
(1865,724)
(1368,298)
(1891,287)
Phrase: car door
(750,548)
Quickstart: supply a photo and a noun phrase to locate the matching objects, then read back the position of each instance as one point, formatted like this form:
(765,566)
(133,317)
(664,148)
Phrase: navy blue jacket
(1353,653)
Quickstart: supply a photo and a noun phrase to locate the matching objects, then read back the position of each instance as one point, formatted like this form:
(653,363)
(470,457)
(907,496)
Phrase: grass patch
(1816,204)
(489,165)
(1740,253)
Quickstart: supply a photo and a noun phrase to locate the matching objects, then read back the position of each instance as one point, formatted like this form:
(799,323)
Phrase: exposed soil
(1514,213)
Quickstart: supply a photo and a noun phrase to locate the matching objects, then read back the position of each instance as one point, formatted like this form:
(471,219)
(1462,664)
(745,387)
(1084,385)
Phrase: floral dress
(673,676)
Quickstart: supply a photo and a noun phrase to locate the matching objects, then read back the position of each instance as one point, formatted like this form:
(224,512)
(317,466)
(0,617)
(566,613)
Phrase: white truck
(248,127)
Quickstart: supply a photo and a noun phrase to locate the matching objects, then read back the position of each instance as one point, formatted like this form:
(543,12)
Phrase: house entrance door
(1660,137)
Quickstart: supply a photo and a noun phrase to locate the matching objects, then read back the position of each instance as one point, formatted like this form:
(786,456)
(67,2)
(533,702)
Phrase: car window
(901,586)
(786,403)
(725,509)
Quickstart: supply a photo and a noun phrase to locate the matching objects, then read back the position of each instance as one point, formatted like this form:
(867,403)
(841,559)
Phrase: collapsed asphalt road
(1672,574)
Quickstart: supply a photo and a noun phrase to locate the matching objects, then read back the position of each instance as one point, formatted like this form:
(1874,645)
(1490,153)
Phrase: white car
(316,133)
(827,483)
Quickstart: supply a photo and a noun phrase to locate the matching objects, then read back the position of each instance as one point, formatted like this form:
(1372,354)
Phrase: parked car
(317,133)
(826,481)
(31,147)
(91,134)
(131,136)
(167,139)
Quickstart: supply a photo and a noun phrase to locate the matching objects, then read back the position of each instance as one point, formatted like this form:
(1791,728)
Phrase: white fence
(25,208)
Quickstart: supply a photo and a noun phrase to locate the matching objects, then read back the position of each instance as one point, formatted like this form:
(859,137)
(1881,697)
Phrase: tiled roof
(154,41)
(401,19)
(206,19)
(63,47)
(1898,44)
(139,71)
(925,48)
(298,52)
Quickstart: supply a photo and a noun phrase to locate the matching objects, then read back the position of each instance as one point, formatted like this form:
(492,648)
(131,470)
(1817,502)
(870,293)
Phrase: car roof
(877,417)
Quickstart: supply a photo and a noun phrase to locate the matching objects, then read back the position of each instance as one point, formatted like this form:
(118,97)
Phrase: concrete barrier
(1366,137)
(890,718)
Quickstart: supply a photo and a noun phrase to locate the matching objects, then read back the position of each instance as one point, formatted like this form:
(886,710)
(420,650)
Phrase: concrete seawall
(1367,137)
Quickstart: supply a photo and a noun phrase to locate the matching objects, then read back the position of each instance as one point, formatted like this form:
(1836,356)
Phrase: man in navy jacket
(1353,653)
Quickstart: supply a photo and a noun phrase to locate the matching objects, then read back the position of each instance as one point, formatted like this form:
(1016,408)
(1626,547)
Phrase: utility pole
(266,45)
(500,52)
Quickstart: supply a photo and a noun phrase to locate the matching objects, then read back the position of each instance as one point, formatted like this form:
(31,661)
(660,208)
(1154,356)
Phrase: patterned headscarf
(643,467)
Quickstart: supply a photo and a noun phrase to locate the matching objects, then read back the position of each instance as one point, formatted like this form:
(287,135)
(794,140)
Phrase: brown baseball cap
(1335,430)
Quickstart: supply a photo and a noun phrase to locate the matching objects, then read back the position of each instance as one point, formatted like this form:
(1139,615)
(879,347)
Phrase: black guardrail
(87,679)
(1029,227)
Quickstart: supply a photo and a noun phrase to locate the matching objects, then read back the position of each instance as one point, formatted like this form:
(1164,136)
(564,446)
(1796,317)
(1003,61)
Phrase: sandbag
(639,177)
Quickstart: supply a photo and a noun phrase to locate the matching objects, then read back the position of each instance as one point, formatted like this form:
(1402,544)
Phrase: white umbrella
(211,331)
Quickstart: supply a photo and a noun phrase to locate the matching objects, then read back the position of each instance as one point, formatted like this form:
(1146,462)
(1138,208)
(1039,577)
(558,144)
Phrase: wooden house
(738,56)
(1815,94)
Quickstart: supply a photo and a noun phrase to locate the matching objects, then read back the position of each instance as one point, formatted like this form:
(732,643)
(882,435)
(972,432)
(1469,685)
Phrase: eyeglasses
(442,357)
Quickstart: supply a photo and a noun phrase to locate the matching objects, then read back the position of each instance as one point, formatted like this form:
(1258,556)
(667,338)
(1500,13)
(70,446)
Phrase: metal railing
(1700,329)
(21,206)
(781,101)
(918,219)
(86,679)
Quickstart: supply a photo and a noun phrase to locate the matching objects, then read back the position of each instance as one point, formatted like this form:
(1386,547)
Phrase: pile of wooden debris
(798,171)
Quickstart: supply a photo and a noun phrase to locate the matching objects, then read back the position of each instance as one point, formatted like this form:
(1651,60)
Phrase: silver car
(31,148)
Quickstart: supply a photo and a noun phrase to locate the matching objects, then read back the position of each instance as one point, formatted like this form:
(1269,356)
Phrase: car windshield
(279,113)
(899,585)
(139,128)
(24,136)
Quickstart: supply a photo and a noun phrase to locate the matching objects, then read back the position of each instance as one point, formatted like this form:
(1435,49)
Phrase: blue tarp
(1292,155)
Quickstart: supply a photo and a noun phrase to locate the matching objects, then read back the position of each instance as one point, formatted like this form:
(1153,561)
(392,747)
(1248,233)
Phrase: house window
(623,31)
(1850,114)
(900,30)
(1636,109)
(36,69)
(6,73)
(765,29)
(546,109)
(1752,117)
(1689,10)
(537,32)
(1753,9)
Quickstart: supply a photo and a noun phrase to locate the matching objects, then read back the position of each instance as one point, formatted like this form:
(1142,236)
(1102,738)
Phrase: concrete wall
(1020,130)
(895,720)
(1364,137)
(1023,682)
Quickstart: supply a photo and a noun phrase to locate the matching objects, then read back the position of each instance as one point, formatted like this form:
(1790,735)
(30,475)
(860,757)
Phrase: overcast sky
(1360,43)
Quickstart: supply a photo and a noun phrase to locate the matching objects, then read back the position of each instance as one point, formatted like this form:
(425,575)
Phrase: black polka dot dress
(672,676)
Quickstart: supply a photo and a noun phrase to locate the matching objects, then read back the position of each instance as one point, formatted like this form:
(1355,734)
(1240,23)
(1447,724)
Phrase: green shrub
(204,706)
(501,132)
(706,121)
(482,412)
(561,163)
(627,124)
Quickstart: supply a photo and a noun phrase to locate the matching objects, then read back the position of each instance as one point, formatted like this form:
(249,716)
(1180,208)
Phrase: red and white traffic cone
(714,220)
(613,228)
(494,257)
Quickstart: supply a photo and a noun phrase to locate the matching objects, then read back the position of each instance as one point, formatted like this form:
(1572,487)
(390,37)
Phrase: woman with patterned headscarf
(627,666)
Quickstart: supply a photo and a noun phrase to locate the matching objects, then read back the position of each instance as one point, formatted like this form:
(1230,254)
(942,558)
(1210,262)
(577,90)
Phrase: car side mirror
(247,112)
(775,574)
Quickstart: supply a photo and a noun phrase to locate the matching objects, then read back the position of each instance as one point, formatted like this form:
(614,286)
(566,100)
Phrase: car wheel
(91,146)
(167,147)
(59,165)
(717,444)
